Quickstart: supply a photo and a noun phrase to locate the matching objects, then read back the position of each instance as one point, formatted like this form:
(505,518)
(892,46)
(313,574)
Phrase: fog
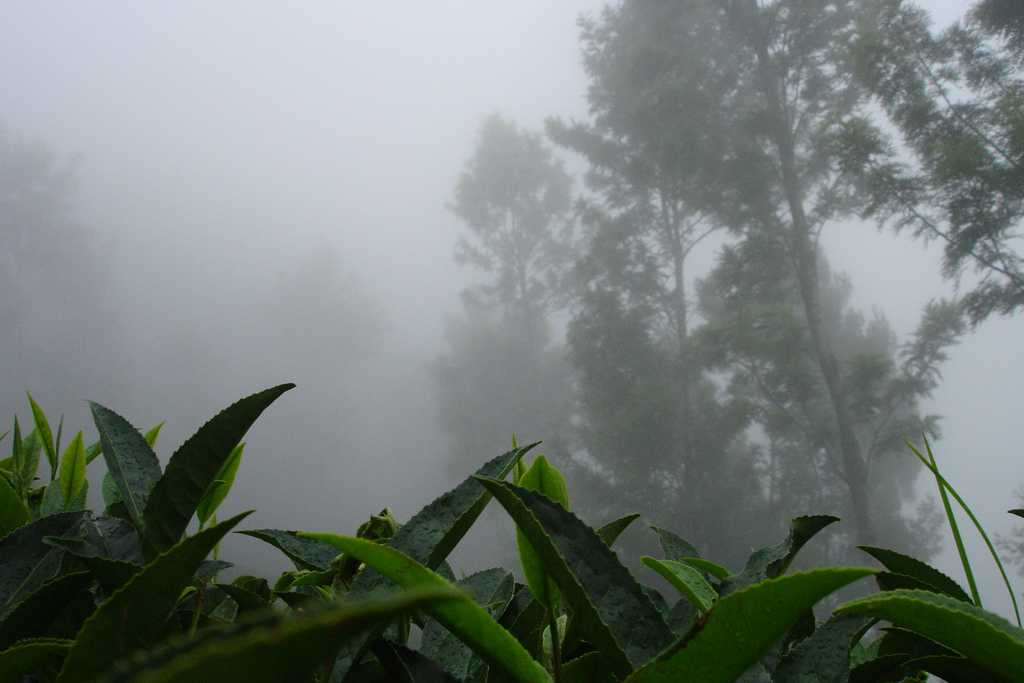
(265,192)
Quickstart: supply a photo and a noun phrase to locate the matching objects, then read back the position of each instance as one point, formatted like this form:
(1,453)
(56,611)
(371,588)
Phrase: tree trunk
(803,254)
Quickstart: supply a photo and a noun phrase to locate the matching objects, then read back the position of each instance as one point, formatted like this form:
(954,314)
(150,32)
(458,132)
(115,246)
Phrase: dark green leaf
(952,669)
(824,656)
(194,467)
(131,462)
(29,562)
(471,623)
(1017,511)
(267,648)
(986,639)
(588,668)
(57,609)
(492,590)
(306,553)
(674,547)
(614,613)
(771,562)
(208,569)
(133,617)
(408,666)
(246,599)
(29,656)
(111,573)
(434,531)
(744,624)
(931,578)
(611,531)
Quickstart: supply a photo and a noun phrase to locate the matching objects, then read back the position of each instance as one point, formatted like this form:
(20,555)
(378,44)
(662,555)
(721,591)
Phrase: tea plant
(128,595)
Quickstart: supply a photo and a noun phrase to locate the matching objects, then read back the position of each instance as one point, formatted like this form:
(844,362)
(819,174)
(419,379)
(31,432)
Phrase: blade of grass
(945,485)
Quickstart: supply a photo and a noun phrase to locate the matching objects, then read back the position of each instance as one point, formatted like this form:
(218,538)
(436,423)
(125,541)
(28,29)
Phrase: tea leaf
(908,566)
(267,648)
(611,531)
(467,620)
(133,616)
(612,610)
(673,546)
(823,656)
(45,434)
(131,462)
(707,566)
(195,466)
(985,638)
(13,512)
(29,562)
(33,616)
(492,590)
(744,624)
(687,580)
(771,562)
(547,480)
(306,553)
(27,656)
(221,486)
(72,471)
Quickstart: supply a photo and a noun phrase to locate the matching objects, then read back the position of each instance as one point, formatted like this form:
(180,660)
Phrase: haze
(265,189)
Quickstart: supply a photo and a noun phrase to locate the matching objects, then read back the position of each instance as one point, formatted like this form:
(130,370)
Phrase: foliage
(957,102)
(94,597)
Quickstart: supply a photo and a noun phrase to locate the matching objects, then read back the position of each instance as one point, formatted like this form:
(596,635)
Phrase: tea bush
(128,595)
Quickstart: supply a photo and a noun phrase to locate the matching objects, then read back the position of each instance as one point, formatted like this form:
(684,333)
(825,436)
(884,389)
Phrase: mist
(264,194)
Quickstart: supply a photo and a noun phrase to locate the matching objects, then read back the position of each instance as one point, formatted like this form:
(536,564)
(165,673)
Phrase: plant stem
(556,646)
(199,610)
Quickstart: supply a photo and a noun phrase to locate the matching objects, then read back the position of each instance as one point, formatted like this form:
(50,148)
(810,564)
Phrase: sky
(225,145)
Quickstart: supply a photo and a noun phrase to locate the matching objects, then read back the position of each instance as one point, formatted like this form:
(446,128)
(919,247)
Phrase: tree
(956,172)
(653,429)
(755,334)
(502,372)
(514,198)
(59,333)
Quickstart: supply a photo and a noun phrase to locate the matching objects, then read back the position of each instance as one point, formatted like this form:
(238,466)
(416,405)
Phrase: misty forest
(750,271)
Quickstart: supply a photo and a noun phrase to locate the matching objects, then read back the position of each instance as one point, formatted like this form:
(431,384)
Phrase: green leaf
(29,656)
(194,467)
(431,535)
(952,669)
(111,573)
(72,470)
(1017,511)
(66,599)
(773,561)
(153,434)
(408,666)
(222,483)
(29,562)
(306,553)
(986,639)
(13,512)
(492,590)
(611,531)
(613,612)
(111,494)
(548,481)
(94,451)
(744,624)
(467,620)
(27,462)
(268,648)
(687,580)
(134,616)
(45,434)
(588,668)
(131,462)
(908,566)
(707,566)
(824,656)
(673,546)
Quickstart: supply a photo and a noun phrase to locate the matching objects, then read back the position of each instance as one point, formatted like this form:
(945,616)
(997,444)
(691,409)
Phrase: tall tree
(502,371)
(654,428)
(756,335)
(956,172)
